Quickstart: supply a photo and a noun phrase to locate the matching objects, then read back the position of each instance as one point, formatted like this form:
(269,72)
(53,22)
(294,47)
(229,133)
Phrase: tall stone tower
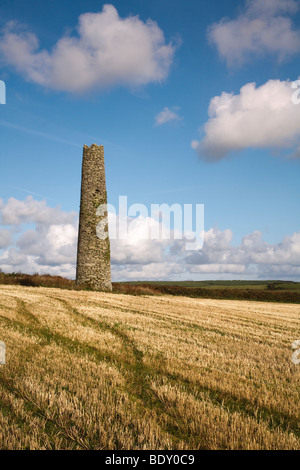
(93,253)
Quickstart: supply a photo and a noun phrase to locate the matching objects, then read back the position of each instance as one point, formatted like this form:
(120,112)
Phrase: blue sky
(171,100)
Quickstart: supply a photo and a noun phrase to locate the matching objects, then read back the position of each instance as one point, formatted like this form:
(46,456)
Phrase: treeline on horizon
(267,291)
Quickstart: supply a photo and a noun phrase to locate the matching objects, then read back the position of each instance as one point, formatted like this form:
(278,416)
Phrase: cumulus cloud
(257,117)
(272,7)
(49,246)
(215,268)
(263,27)
(5,238)
(106,51)
(253,250)
(52,245)
(253,258)
(167,115)
(15,212)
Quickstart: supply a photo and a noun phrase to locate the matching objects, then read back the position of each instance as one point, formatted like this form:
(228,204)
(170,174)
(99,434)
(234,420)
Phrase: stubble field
(87,370)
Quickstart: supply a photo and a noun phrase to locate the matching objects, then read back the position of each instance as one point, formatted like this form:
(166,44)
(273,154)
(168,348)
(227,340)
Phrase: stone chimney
(93,253)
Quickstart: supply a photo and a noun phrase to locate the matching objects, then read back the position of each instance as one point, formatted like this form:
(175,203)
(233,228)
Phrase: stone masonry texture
(93,253)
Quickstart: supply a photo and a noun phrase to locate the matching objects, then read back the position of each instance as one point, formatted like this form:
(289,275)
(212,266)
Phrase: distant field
(265,291)
(88,370)
(264,285)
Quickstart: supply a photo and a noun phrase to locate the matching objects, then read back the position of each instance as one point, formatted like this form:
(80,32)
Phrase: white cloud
(140,259)
(107,51)
(262,28)
(272,7)
(218,269)
(50,247)
(16,212)
(253,250)
(167,115)
(258,117)
(5,238)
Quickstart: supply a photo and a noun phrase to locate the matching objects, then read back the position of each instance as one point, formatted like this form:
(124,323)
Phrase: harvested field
(88,370)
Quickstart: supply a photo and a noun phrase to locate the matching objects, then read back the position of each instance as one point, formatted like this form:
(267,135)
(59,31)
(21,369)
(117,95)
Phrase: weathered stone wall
(93,254)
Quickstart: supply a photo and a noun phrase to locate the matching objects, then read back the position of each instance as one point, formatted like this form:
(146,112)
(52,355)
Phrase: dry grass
(89,370)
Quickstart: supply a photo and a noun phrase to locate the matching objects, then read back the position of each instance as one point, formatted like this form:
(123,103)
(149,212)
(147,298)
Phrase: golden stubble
(89,370)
